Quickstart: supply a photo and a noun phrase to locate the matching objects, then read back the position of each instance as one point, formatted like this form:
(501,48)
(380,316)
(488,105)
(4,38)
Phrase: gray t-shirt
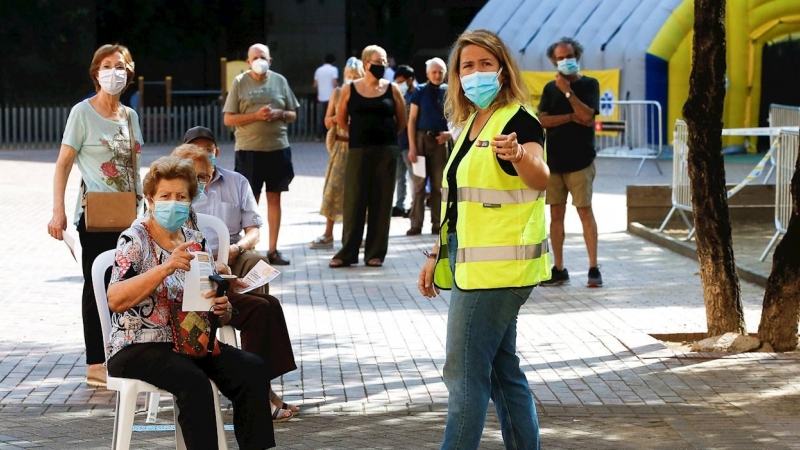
(247,95)
(104,153)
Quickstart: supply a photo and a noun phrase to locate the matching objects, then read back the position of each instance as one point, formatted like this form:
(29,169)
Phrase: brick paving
(370,349)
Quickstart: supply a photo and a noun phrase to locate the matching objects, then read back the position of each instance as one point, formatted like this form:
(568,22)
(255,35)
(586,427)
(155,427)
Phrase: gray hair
(565,41)
(435,60)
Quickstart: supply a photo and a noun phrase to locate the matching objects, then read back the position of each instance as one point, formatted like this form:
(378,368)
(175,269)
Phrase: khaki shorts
(578,184)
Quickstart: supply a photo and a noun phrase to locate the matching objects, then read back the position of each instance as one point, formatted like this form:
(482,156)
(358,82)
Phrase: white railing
(681,189)
(630,129)
(39,126)
(782,116)
(786,156)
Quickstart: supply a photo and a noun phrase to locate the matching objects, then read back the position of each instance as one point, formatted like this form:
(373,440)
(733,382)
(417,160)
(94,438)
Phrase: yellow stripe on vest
(495,196)
(504,253)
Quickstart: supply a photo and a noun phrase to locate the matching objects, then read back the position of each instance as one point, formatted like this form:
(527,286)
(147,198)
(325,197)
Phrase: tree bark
(703,115)
(781,309)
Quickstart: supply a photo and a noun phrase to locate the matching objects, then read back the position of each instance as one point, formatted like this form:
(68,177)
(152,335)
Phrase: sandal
(337,263)
(294,409)
(374,262)
(322,242)
(278,415)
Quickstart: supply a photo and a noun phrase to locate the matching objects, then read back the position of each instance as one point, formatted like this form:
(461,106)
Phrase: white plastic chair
(226,334)
(129,388)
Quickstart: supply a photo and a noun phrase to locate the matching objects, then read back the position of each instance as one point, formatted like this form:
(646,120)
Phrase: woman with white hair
(338,143)
(429,137)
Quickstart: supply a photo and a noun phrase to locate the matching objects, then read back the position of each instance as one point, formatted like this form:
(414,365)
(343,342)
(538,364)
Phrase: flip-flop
(375,262)
(290,407)
(277,415)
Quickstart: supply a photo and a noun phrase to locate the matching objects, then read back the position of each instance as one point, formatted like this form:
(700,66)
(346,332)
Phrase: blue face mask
(481,87)
(568,66)
(171,214)
(201,187)
(213,158)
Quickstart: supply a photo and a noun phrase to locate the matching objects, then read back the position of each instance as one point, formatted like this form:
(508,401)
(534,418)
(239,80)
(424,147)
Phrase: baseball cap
(197,133)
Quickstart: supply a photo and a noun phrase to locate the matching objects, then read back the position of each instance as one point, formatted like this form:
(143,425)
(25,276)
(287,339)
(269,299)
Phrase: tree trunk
(781,309)
(703,115)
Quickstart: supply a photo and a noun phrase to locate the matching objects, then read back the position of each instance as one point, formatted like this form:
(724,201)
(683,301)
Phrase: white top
(325,75)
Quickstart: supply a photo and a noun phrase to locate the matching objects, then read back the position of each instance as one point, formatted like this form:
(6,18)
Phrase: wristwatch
(568,95)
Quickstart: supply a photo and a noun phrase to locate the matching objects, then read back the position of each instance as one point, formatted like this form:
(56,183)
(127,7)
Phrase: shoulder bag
(112,211)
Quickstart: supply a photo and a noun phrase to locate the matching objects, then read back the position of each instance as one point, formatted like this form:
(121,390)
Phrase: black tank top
(371,119)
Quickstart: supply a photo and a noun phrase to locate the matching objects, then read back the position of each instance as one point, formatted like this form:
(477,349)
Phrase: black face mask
(377,70)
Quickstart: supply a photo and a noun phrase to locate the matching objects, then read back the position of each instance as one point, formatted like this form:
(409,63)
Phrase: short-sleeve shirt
(104,151)
(570,147)
(402,137)
(149,321)
(430,101)
(228,197)
(324,76)
(247,95)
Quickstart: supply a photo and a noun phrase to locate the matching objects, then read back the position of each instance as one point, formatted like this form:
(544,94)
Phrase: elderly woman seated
(147,279)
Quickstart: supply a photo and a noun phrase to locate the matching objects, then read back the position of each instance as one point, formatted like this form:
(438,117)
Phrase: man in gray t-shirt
(260,104)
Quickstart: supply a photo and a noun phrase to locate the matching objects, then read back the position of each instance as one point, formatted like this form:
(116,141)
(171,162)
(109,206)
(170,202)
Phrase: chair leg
(116,424)
(124,418)
(222,443)
(180,444)
(152,406)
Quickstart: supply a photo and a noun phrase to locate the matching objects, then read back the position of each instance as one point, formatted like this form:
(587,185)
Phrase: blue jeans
(481,363)
(401,176)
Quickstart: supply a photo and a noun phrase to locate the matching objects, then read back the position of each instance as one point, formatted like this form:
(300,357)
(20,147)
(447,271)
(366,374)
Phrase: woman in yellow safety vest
(492,249)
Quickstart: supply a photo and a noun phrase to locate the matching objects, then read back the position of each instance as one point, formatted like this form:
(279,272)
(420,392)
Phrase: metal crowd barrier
(630,129)
(42,126)
(786,156)
(782,116)
(681,190)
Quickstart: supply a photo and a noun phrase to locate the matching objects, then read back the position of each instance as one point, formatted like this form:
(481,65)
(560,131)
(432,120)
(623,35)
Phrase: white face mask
(403,88)
(112,81)
(260,66)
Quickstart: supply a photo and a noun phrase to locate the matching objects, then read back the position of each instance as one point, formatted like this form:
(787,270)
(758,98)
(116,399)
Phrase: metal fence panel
(633,130)
(38,126)
(785,160)
(681,189)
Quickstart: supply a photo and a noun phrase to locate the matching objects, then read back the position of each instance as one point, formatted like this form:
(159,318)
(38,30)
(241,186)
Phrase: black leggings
(241,376)
(92,245)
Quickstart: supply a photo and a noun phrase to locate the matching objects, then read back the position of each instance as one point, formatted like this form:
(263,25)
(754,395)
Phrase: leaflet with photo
(197,283)
(261,274)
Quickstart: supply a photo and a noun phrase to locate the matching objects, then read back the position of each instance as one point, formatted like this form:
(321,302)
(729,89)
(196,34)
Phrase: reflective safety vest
(502,240)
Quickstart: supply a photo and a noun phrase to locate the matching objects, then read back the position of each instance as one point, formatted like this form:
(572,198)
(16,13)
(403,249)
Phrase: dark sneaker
(398,212)
(407,214)
(276,259)
(435,229)
(559,277)
(595,279)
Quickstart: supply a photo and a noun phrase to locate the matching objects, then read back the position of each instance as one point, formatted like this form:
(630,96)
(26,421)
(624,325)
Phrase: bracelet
(430,254)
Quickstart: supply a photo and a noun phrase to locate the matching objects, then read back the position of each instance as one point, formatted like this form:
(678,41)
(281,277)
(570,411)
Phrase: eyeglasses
(203,178)
(210,149)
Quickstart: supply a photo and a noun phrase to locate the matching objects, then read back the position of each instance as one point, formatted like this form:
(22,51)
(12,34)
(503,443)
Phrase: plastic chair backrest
(99,268)
(223,234)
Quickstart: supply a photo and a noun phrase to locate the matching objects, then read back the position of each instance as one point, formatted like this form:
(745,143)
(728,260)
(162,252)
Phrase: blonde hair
(354,66)
(193,152)
(512,89)
(109,49)
(371,50)
(170,168)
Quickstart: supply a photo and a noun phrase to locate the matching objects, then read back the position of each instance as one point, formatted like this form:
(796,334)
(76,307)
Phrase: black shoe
(276,259)
(595,279)
(407,214)
(559,277)
(413,231)
(398,212)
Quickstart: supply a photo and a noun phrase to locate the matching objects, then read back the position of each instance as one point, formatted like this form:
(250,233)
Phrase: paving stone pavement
(370,349)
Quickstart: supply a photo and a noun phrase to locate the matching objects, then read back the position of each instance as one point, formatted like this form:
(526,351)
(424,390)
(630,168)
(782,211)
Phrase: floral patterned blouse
(149,321)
